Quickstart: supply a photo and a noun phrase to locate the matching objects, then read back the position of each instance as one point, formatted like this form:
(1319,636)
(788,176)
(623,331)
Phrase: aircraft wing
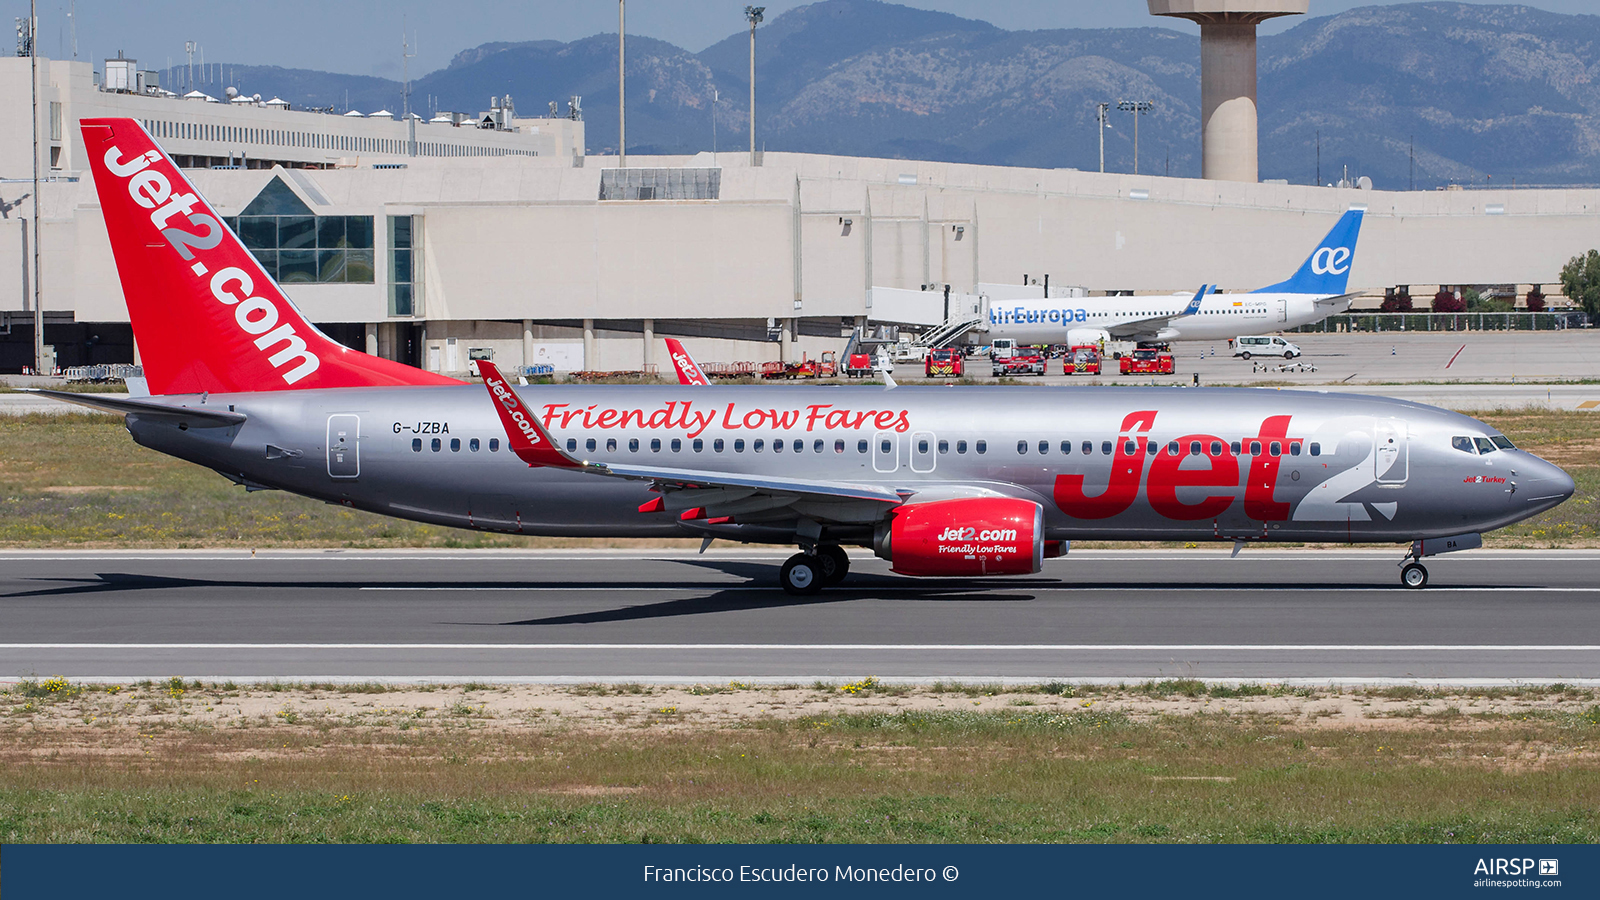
(528,439)
(196,418)
(1129,328)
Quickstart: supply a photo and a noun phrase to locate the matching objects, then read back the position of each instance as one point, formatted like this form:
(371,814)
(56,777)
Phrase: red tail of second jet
(206,315)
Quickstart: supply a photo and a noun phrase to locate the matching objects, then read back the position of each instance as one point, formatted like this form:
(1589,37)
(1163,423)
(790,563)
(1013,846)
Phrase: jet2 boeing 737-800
(940,481)
(1315,291)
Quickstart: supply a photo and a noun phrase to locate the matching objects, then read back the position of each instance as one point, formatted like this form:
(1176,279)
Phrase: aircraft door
(1283,310)
(344,437)
(885,451)
(1390,458)
(923,455)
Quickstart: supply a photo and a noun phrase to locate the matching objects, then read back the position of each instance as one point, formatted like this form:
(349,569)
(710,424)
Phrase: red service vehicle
(1022,361)
(942,361)
(1083,359)
(1147,362)
(859,365)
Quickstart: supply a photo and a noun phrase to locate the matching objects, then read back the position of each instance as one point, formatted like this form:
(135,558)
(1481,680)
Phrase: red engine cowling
(964,538)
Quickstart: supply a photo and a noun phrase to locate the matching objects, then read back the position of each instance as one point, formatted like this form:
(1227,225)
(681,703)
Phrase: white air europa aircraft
(1314,292)
(940,481)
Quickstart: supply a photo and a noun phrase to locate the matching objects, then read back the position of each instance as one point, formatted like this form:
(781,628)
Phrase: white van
(1246,347)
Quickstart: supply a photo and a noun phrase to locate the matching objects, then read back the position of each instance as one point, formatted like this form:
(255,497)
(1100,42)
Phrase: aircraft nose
(1549,484)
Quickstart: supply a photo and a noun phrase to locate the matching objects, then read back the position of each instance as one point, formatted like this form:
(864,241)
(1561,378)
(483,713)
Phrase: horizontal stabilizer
(195,418)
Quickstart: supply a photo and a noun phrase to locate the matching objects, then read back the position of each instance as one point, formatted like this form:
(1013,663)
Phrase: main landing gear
(808,573)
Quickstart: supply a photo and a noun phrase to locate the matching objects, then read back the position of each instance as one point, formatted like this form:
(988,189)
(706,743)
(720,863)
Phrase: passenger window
(816,446)
(1485,445)
(1316,449)
(1294,448)
(1173,449)
(1022,447)
(717,445)
(1151,448)
(738,445)
(944,446)
(885,446)
(838,445)
(1129,448)
(589,444)
(1194,448)
(611,445)
(1255,448)
(473,445)
(1216,448)
(436,445)
(699,445)
(982,447)
(1066,447)
(757,445)
(494,445)
(800,445)
(1105,448)
(416,445)
(1277,449)
(922,446)
(777,446)
(861,446)
(1234,447)
(677,445)
(633,445)
(961,446)
(655,445)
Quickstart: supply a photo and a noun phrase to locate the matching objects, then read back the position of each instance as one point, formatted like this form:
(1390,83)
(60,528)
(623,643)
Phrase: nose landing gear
(1414,575)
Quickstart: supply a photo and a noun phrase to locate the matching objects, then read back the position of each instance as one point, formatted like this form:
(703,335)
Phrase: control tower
(1228,77)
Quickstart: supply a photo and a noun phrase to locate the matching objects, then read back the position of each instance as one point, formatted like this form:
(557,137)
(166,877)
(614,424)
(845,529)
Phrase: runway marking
(1019,586)
(983,648)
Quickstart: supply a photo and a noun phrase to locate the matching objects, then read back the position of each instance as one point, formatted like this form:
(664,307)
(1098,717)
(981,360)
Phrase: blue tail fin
(1327,269)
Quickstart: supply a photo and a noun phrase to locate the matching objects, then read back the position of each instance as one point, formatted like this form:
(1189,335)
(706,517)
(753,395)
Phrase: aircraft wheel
(1414,576)
(1245,355)
(801,575)
(834,563)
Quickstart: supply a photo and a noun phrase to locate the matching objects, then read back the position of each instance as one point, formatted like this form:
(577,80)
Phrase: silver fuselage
(1097,459)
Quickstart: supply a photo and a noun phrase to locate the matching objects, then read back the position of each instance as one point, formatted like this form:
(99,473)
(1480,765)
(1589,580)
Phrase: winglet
(526,437)
(1194,305)
(689,372)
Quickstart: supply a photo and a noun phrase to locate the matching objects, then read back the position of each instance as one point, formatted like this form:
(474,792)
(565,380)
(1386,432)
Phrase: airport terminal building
(436,241)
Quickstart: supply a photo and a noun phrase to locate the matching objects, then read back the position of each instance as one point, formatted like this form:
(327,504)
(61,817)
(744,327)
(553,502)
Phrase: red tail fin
(525,436)
(689,371)
(206,315)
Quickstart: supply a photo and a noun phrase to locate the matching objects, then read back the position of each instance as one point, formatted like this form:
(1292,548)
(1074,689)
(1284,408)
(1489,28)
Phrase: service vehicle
(943,361)
(1147,362)
(1082,360)
(1019,361)
(944,482)
(1247,346)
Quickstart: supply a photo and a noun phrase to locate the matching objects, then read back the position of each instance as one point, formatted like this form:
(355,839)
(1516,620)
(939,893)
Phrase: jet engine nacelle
(964,538)
(1079,336)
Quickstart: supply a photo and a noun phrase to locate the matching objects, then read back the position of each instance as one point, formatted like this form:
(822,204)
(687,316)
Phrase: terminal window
(660,184)
(405,266)
(296,246)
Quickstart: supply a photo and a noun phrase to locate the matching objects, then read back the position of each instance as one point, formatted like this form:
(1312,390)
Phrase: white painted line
(494,681)
(990,585)
(983,648)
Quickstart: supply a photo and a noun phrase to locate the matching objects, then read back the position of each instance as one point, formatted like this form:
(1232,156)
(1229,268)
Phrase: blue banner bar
(394,872)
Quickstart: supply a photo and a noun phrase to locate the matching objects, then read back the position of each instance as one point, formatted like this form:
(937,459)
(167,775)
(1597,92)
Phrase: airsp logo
(1331,260)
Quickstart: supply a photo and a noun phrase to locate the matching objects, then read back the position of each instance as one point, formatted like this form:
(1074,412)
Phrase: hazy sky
(363,37)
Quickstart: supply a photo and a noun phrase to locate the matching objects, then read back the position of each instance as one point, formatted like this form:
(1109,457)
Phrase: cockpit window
(1462,443)
(1485,445)
(1503,442)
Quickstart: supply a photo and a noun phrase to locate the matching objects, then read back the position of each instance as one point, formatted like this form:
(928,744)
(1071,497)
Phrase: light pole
(715,96)
(1102,114)
(1138,108)
(754,14)
(38,311)
(622,84)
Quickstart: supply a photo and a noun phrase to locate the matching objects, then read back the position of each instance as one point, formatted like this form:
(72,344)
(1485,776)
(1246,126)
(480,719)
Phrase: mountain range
(1416,94)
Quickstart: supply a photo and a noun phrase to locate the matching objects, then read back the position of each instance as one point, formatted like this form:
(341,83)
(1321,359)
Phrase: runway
(1489,616)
